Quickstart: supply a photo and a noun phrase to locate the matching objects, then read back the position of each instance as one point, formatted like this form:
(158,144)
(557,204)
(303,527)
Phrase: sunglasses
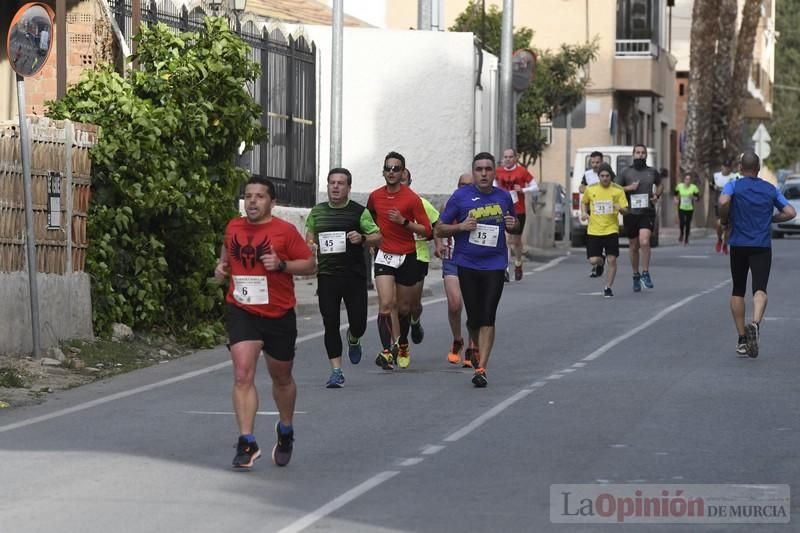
(393,168)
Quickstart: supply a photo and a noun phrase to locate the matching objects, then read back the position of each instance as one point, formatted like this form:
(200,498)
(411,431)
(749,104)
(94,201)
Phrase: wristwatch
(406,222)
(282,266)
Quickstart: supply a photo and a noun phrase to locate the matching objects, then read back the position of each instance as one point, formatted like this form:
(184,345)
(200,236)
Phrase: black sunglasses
(393,168)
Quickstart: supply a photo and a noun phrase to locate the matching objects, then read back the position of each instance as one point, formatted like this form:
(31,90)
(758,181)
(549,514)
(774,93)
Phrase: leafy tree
(785,145)
(556,87)
(164,180)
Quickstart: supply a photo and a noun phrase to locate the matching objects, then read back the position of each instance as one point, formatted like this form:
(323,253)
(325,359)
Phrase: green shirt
(423,252)
(687,194)
(336,255)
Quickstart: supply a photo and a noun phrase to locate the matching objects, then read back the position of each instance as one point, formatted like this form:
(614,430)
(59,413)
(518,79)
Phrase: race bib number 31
(485,235)
(603,207)
(332,242)
(250,290)
(391,260)
(640,201)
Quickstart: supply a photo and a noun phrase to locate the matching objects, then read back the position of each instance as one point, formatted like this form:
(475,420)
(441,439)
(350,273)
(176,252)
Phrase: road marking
(432,449)
(644,325)
(567,370)
(694,256)
(554,376)
(339,502)
(579,365)
(494,411)
(599,293)
(412,461)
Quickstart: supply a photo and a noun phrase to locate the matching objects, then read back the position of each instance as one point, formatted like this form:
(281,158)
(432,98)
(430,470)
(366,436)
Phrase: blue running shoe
(637,283)
(353,350)
(336,381)
(646,279)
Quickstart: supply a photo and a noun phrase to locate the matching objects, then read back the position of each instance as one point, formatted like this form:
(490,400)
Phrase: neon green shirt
(687,194)
(423,253)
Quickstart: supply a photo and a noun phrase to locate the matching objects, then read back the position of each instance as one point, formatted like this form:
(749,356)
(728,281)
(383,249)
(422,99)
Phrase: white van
(620,158)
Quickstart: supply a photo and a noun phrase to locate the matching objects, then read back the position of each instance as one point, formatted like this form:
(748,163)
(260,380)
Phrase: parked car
(791,190)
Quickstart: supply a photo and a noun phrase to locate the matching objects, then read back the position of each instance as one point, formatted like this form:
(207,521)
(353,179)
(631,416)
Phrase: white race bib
(250,290)
(603,207)
(514,196)
(485,235)
(391,260)
(640,201)
(332,242)
(686,201)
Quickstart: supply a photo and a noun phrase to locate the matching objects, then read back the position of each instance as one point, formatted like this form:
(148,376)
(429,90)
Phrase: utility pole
(424,15)
(336,84)
(506,92)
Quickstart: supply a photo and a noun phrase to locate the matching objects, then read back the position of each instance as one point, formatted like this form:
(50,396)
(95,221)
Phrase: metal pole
(61,51)
(506,92)
(336,84)
(424,15)
(30,235)
(568,188)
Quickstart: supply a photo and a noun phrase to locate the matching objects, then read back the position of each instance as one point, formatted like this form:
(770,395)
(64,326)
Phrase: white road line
(664,312)
(554,376)
(494,411)
(339,502)
(567,370)
(231,413)
(537,384)
(579,365)
(550,264)
(412,461)
(432,449)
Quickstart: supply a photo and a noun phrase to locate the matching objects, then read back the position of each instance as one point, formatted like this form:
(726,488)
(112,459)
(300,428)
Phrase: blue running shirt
(750,215)
(478,250)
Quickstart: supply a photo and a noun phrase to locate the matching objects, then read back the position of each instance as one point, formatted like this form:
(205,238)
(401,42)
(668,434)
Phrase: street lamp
(237,6)
(215,5)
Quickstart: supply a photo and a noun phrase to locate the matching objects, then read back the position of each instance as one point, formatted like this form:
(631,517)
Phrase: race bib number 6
(250,290)
(332,242)
(391,260)
(485,235)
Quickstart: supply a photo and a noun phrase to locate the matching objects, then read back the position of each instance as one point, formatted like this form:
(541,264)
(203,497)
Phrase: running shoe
(282,452)
(518,273)
(385,360)
(601,267)
(507,277)
(718,246)
(474,358)
(246,453)
(593,274)
(454,356)
(354,350)
(637,283)
(751,333)
(336,381)
(467,363)
(404,356)
(607,292)
(741,346)
(647,280)
(417,333)
(479,378)
(725,248)
(395,349)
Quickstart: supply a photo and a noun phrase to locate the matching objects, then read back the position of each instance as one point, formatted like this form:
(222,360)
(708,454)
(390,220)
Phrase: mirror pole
(30,236)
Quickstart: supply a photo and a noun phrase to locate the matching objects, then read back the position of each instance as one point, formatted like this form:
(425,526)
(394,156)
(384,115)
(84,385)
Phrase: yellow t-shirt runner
(604,204)
(423,252)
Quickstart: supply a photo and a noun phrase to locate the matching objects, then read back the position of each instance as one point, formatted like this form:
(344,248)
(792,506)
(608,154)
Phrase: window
(638,20)
(792,192)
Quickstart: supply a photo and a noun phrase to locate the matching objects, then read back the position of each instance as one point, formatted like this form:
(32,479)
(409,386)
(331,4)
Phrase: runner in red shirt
(261,254)
(399,213)
(515,179)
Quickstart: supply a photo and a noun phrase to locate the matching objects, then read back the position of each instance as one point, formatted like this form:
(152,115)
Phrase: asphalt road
(640,388)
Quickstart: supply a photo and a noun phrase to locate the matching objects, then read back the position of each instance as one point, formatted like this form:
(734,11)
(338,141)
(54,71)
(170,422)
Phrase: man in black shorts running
(340,228)
(746,206)
(643,187)
(261,253)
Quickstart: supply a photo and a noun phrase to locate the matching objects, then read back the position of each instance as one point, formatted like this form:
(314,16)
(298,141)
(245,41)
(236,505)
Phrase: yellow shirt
(604,204)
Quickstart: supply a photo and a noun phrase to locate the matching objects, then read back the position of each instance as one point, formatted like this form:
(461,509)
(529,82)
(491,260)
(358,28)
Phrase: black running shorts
(277,334)
(757,261)
(597,244)
(481,291)
(406,274)
(633,223)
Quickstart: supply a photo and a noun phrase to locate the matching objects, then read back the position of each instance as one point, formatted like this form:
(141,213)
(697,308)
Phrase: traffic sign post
(29,42)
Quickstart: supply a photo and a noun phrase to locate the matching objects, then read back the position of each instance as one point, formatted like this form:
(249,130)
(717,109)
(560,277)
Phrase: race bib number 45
(485,235)
(250,290)
(332,242)
(391,260)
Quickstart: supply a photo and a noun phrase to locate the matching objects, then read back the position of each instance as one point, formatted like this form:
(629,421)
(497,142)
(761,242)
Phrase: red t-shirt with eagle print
(252,287)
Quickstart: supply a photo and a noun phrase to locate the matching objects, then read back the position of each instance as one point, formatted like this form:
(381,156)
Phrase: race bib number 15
(485,235)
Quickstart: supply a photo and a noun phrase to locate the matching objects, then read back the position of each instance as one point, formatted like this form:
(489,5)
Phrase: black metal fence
(285,90)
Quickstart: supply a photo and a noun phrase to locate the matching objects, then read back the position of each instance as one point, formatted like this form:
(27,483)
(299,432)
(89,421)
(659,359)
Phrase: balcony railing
(636,48)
